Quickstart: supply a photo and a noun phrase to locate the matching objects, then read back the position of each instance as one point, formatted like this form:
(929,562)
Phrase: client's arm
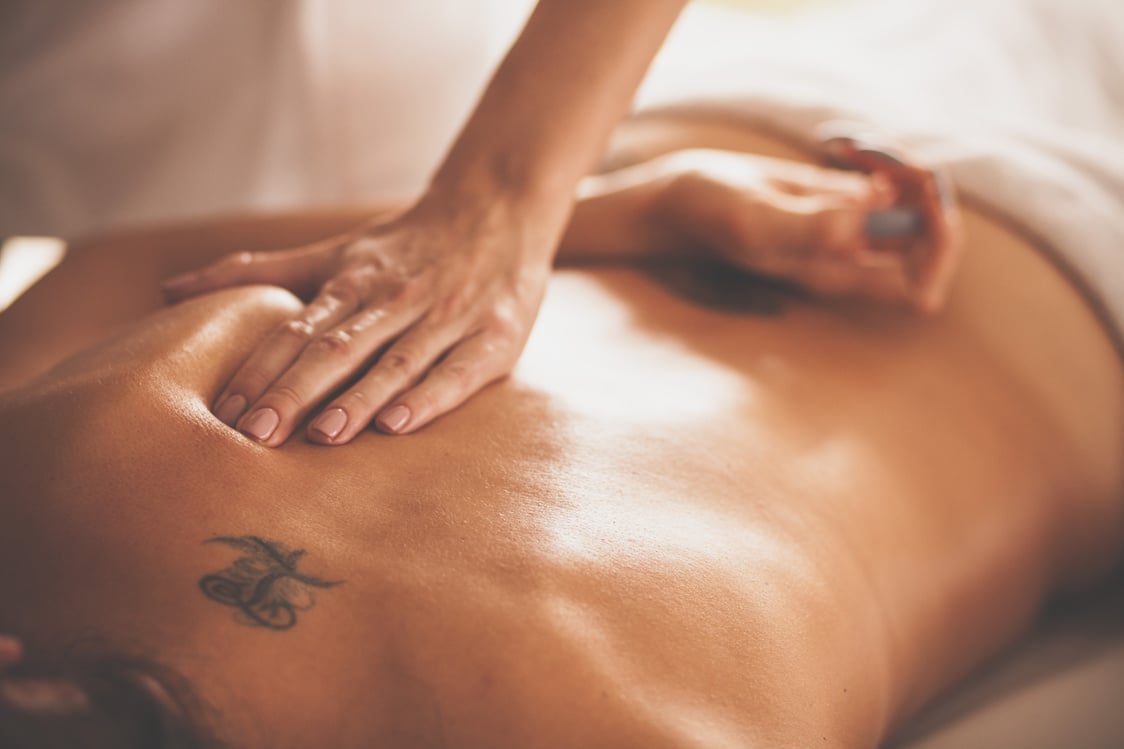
(766,215)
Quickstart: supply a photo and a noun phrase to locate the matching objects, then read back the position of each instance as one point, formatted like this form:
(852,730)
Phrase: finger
(330,360)
(10,651)
(931,255)
(44,696)
(479,360)
(809,180)
(849,265)
(787,235)
(338,300)
(403,364)
(830,226)
(877,277)
(881,278)
(934,261)
(932,258)
(839,260)
(296,269)
(852,147)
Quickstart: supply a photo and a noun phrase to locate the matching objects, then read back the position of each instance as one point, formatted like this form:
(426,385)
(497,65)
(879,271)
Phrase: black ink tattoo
(263,584)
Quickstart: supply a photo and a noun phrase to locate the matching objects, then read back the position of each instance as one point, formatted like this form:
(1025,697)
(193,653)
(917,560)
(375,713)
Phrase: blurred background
(773,6)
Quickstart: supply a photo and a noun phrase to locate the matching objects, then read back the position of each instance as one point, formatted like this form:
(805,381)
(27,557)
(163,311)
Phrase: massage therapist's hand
(424,309)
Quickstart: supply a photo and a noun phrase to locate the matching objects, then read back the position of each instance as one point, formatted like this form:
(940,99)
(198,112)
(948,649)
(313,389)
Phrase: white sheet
(1062,687)
(1022,100)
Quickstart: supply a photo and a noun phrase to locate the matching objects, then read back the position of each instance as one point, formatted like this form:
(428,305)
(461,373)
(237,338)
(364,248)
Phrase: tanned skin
(677,524)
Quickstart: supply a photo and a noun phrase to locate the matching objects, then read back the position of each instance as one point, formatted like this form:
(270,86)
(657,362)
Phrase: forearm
(544,119)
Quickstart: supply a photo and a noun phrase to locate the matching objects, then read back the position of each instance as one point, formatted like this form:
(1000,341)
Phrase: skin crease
(671,527)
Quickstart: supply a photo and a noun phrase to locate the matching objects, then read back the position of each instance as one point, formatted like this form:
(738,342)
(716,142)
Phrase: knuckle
(459,373)
(337,294)
(406,291)
(237,260)
(506,323)
(402,363)
(349,288)
(452,307)
(365,320)
(285,396)
(297,330)
(337,344)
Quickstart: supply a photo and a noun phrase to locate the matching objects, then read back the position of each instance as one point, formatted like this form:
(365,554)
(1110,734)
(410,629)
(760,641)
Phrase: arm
(448,291)
(545,118)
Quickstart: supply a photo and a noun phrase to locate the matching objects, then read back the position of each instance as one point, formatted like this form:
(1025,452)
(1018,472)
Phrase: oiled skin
(672,527)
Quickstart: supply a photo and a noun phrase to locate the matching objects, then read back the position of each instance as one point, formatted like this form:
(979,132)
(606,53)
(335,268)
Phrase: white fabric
(121,111)
(1057,688)
(1022,100)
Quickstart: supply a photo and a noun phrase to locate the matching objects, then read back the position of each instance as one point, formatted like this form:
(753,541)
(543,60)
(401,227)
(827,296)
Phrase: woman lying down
(740,517)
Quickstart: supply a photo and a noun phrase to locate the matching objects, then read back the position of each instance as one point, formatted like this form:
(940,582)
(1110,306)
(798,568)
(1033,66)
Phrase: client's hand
(35,696)
(889,232)
(413,315)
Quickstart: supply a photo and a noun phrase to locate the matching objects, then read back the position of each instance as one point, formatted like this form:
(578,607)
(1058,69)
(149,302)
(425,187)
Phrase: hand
(928,255)
(35,696)
(413,315)
(832,232)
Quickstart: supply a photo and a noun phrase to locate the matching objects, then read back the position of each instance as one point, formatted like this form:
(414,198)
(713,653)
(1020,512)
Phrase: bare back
(675,525)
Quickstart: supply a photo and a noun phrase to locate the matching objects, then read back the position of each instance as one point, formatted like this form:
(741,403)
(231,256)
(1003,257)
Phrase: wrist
(534,183)
(483,202)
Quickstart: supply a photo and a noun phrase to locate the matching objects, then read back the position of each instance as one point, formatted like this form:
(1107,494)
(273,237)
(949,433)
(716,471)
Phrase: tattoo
(263,584)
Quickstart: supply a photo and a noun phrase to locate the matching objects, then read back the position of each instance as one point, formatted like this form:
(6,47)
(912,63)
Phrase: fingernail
(262,423)
(230,409)
(890,156)
(395,418)
(330,423)
(892,222)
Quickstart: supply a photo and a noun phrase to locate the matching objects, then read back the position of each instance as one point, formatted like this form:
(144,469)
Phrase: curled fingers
(401,366)
(328,361)
(338,300)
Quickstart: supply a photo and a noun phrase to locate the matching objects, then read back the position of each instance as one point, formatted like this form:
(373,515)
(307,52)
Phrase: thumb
(298,270)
